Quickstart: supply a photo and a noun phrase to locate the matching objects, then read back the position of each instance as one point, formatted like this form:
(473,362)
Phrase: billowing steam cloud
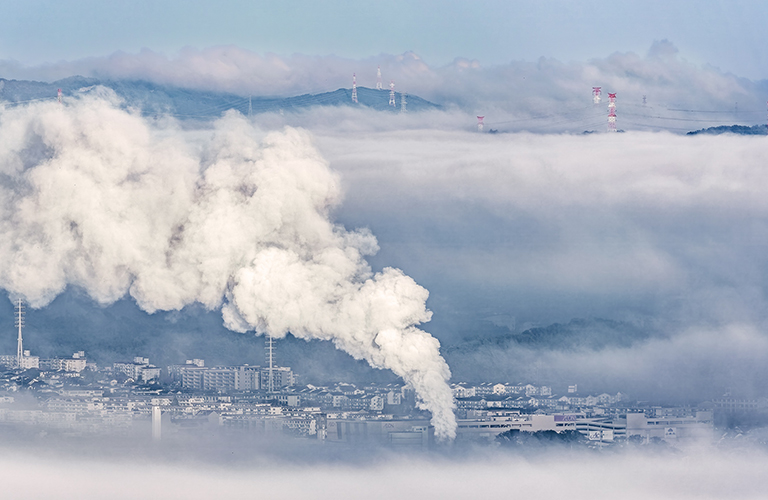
(96,197)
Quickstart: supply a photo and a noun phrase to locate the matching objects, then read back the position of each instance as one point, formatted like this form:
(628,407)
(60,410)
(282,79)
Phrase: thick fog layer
(98,198)
(662,234)
(510,95)
(706,474)
(666,224)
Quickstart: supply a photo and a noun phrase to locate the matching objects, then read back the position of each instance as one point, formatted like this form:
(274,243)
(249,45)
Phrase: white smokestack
(157,422)
(97,197)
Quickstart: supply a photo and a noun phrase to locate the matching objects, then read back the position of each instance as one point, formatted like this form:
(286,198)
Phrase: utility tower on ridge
(354,88)
(59,96)
(378,79)
(392,93)
(480,125)
(611,112)
(596,94)
(19,324)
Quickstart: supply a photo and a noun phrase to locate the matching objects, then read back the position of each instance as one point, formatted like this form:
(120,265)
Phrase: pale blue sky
(728,34)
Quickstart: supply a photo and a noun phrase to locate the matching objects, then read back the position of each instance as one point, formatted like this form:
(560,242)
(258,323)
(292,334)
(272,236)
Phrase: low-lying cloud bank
(573,475)
(511,95)
(681,367)
(641,224)
(661,232)
(665,233)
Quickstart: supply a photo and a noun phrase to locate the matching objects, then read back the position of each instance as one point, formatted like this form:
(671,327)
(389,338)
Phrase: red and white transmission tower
(354,88)
(392,93)
(378,79)
(480,123)
(596,94)
(59,96)
(611,112)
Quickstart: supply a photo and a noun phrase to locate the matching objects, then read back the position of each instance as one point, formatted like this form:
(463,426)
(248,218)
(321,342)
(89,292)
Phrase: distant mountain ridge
(594,333)
(733,129)
(154,99)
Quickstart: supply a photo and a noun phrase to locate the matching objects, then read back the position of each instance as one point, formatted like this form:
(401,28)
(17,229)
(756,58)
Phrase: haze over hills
(593,333)
(185,103)
(208,173)
(468,215)
(121,331)
(732,129)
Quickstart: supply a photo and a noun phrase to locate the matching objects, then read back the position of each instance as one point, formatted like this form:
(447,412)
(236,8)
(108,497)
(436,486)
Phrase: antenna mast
(612,112)
(19,324)
(392,93)
(59,96)
(378,79)
(480,123)
(354,88)
(270,345)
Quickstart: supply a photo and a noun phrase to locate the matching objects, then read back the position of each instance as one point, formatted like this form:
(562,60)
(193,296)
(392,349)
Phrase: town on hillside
(73,395)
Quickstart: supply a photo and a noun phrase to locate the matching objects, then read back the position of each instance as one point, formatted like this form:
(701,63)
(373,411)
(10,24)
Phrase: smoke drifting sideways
(98,198)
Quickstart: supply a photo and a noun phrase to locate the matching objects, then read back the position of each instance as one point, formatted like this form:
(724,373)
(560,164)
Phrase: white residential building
(220,378)
(138,369)
(76,363)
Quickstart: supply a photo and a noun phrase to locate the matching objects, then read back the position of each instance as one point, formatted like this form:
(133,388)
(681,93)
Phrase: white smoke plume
(95,197)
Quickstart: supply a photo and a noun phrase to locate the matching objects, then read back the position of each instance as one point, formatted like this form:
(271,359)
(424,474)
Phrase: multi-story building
(175,371)
(502,389)
(696,426)
(231,378)
(27,361)
(76,363)
(282,376)
(192,377)
(138,369)
(394,397)
(8,360)
(417,433)
(462,390)
(220,378)
(729,404)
